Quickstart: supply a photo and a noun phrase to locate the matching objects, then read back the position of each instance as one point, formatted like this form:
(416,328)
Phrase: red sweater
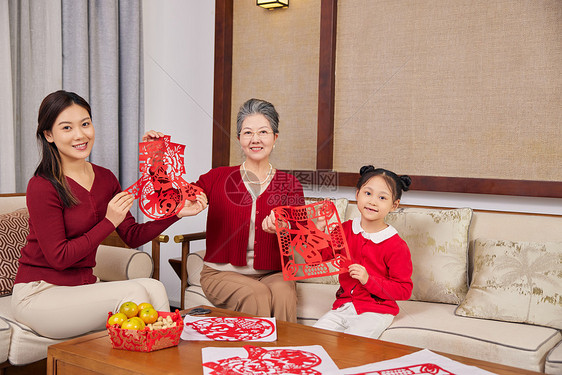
(62,242)
(228,219)
(389,265)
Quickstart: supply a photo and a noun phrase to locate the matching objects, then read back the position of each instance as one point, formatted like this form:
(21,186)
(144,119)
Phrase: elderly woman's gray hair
(257,106)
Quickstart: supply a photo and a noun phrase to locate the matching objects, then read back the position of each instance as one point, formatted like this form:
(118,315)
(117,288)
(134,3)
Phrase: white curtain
(102,48)
(91,47)
(31,67)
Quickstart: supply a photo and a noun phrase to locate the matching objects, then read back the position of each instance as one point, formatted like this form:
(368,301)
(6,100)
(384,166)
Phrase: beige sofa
(20,345)
(510,314)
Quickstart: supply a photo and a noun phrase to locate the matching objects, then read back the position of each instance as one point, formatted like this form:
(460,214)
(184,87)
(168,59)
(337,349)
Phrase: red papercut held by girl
(161,190)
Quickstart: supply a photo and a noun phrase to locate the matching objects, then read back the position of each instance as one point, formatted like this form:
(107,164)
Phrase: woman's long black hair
(50,166)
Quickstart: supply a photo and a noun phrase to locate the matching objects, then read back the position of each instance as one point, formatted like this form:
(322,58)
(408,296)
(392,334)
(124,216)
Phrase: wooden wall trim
(544,189)
(326,85)
(222,90)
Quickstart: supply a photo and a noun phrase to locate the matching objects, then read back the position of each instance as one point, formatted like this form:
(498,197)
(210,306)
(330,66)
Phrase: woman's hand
(192,208)
(151,135)
(118,207)
(268,223)
(358,272)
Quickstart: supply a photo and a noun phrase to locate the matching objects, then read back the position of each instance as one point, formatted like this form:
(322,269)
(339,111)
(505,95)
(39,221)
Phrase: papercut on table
(423,362)
(161,190)
(306,360)
(229,329)
(307,248)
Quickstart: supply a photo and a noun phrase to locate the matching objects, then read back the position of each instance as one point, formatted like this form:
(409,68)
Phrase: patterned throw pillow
(516,282)
(14,229)
(438,242)
(341,207)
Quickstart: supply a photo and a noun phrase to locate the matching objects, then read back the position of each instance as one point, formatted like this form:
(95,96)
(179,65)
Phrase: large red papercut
(262,361)
(306,250)
(234,329)
(421,369)
(161,190)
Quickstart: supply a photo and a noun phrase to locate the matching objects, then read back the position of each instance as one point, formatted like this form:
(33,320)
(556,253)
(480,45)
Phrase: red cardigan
(389,265)
(62,242)
(228,219)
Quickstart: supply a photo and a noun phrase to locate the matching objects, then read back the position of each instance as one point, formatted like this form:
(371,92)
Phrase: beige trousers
(66,311)
(261,295)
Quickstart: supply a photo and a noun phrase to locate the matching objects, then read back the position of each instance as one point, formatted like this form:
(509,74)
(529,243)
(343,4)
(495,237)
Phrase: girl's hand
(358,272)
(118,207)
(151,135)
(321,223)
(192,208)
(268,223)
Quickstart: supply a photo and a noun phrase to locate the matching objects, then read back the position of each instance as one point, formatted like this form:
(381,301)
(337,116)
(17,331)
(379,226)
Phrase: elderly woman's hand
(268,224)
(192,208)
(151,135)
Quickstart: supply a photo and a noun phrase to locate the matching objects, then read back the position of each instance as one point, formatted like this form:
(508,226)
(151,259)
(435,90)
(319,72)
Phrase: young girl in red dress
(381,269)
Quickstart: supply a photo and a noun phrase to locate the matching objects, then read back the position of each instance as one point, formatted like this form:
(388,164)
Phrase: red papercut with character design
(311,241)
(262,361)
(161,190)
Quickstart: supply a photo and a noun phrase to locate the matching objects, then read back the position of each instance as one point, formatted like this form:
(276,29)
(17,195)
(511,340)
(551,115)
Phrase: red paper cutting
(261,361)
(306,250)
(234,329)
(161,190)
(421,369)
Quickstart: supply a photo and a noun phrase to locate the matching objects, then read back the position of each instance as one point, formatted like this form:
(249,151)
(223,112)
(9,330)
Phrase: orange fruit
(144,305)
(117,318)
(133,323)
(129,308)
(148,315)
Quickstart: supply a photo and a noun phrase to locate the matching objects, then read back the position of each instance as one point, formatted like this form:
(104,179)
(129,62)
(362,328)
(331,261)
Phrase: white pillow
(516,282)
(438,242)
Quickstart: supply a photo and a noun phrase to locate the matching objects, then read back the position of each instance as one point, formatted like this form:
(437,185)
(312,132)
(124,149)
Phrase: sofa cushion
(553,364)
(438,242)
(314,300)
(5,335)
(435,326)
(14,229)
(119,263)
(341,207)
(194,267)
(516,282)
(26,346)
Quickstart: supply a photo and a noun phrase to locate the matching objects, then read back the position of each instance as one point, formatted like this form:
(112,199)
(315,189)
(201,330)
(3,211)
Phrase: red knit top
(62,242)
(389,266)
(228,219)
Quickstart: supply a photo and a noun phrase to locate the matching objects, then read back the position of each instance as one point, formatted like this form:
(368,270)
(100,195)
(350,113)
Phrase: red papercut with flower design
(234,329)
(311,241)
(161,190)
(262,361)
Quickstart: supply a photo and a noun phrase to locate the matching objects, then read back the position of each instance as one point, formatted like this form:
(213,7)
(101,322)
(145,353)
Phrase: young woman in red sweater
(242,260)
(73,206)
(382,267)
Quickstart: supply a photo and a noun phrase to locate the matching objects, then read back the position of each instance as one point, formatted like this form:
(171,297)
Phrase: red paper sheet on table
(229,329)
(311,241)
(161,190)
(298,360)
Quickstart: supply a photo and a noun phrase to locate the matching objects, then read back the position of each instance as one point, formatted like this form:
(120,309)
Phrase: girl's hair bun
(365,169)
(406,181)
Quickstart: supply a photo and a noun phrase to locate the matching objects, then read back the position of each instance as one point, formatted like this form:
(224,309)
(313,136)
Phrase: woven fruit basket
(146,340)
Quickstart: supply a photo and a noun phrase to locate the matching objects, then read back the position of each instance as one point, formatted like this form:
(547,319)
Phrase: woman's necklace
(258,182)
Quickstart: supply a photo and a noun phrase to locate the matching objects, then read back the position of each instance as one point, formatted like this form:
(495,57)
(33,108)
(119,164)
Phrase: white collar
(376,237)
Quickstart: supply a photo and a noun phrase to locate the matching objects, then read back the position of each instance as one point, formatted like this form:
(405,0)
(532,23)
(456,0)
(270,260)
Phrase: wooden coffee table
(93,354)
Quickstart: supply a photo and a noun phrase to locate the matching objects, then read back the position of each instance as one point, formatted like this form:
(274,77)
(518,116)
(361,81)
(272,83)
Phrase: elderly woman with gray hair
(242,263)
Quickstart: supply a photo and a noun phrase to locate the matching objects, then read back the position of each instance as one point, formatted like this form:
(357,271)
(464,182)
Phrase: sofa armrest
(118,263)
(185,240)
